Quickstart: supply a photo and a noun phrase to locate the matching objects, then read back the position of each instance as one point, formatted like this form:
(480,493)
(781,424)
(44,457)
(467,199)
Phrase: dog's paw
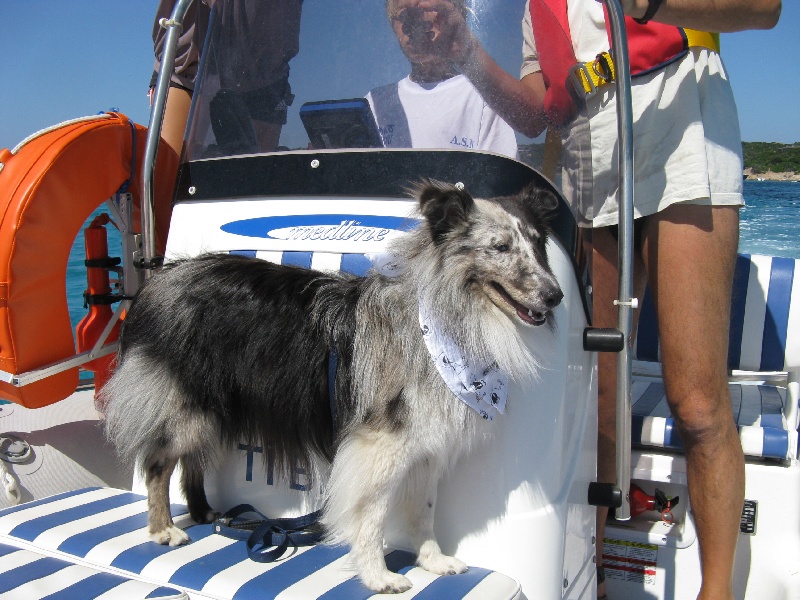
(441,564)
(387,583)
(208,516)
(174,536)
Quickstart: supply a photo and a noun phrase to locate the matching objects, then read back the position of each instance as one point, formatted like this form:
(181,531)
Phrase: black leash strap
(267,539)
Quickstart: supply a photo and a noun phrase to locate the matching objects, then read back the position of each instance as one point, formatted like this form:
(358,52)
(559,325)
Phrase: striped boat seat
(104,529)
(764,337)
(354,263)
(757,409)
(27,574)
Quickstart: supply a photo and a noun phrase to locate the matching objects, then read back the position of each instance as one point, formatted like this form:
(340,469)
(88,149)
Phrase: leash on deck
(268,539)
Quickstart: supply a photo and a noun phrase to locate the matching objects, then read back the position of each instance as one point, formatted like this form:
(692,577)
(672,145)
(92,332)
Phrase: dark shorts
(638,225)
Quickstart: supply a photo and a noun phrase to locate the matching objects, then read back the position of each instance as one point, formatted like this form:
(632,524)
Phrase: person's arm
(519,103)
(710,15)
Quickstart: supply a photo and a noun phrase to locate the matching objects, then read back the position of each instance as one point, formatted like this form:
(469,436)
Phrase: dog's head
(498,246)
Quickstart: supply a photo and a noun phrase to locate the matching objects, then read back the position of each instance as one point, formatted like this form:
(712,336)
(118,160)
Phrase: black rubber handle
(596,339)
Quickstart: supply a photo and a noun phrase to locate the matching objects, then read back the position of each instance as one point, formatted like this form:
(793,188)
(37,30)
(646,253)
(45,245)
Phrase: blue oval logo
(347,228)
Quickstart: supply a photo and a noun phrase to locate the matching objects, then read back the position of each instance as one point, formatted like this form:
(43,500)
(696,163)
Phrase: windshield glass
(284,84)
(290,74)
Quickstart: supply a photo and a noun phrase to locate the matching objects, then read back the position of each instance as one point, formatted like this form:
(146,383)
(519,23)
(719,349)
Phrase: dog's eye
(501,247)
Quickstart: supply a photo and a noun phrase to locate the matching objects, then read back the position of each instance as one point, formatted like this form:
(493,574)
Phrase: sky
(69,58)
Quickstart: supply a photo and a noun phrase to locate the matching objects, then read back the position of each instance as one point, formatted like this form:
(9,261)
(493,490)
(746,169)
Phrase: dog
(222,349)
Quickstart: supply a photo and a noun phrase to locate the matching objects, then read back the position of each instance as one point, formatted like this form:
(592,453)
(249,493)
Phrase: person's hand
(417,27)
(448,33)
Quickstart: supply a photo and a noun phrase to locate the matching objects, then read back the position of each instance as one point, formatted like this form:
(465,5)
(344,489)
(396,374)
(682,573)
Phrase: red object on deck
(641,501)
(90,328)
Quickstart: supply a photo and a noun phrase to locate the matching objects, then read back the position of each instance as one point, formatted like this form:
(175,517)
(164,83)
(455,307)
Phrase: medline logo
(347,228)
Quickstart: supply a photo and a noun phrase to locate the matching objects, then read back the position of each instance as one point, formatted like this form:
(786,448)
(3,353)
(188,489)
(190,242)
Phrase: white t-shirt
(450,114)
(686,140)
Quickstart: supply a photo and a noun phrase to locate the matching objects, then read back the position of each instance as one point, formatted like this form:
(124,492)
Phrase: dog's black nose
(554,298)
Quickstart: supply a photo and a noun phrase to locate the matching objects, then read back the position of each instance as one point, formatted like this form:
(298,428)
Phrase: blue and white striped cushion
(757,409)
(765,323)
(354,263)
(105,528)
(30,575)
(764,336)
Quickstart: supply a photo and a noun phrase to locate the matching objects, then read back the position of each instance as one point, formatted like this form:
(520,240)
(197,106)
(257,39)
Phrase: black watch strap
(652,7)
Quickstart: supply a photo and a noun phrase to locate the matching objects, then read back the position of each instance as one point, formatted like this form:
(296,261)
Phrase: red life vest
(650,47)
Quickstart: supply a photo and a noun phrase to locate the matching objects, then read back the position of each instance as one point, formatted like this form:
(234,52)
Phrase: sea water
(769,219)
(768,225)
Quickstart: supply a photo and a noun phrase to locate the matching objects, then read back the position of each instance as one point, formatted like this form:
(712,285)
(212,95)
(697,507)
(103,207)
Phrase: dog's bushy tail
(141,419)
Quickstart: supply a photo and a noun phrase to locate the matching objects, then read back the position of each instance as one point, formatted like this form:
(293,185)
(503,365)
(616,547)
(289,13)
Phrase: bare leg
(159,521)
(176,114)
(690,253)
(267,134)
(605,281)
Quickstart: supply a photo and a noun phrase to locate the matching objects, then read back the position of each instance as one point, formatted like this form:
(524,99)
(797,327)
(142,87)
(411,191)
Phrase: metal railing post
(174,26)
(625,303)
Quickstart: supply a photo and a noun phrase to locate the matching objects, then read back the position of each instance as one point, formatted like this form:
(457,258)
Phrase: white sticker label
(630,561)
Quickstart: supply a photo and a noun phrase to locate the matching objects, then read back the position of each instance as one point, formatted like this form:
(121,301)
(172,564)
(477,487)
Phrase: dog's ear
(539,203)
(444,207)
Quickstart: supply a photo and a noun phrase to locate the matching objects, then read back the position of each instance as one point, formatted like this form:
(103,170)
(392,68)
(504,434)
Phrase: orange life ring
(47,191)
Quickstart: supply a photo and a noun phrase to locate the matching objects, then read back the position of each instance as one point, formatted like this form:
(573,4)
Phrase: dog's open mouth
(528,315)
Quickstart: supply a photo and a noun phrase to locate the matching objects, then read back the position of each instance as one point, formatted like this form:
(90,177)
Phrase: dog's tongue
(529,316)
(523,312)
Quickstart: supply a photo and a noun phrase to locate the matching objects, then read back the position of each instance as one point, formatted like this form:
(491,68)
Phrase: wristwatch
(652,7)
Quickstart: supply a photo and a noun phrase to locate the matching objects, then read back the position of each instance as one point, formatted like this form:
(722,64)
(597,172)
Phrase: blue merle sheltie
(222,349)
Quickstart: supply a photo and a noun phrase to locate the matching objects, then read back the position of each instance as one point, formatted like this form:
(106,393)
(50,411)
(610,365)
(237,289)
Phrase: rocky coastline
(771,176)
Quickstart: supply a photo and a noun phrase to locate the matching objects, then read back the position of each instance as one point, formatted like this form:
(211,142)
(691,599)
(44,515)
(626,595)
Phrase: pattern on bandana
(482,387)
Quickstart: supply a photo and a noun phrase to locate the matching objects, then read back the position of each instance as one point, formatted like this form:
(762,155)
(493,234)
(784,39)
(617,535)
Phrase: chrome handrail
(174,26)
(625,303)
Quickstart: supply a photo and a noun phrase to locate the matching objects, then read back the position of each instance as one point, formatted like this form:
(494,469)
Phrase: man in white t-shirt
(687,176)
(435,106)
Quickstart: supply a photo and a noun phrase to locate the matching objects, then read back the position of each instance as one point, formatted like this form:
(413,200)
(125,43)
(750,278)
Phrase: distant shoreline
(770,176)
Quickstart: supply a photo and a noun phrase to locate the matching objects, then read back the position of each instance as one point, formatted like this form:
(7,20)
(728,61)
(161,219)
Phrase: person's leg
(605,283)
(690,254)
(268,135)
(176,113)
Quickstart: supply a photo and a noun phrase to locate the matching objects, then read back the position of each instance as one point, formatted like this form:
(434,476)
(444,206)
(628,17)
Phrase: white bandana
(482,387)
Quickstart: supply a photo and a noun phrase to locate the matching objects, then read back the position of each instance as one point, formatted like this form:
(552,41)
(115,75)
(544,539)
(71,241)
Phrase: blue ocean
(768,220)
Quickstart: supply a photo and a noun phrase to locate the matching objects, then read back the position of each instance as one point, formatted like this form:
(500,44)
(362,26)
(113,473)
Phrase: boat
(520,511)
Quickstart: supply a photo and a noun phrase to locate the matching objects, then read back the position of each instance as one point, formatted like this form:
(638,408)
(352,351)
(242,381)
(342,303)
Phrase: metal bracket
(578,83)
(633,303)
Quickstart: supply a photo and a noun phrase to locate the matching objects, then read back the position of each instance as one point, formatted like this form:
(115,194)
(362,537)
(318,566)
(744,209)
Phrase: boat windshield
(290,75)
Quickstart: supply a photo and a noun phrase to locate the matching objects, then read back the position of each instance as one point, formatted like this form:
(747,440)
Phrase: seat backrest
(765,317)
(353,263)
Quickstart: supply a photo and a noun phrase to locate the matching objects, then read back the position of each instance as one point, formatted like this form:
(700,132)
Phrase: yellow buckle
(587,77)
(582,81)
